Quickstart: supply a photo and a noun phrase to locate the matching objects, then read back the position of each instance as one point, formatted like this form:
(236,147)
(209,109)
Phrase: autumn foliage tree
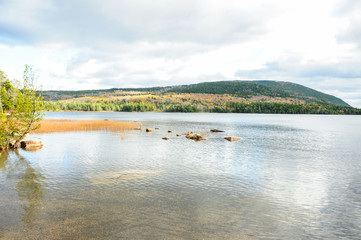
(20,109)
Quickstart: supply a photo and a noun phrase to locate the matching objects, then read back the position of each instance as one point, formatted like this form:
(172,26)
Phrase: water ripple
(290,177)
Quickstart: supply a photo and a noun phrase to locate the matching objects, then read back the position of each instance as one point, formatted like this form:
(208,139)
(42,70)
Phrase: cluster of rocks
(30,145)
(195,136)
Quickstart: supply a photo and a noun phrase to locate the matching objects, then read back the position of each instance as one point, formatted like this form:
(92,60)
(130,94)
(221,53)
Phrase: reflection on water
(29,183)
(290,177)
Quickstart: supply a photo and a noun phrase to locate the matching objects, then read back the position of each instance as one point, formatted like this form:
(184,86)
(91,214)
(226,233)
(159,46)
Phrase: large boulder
(189,135)
(195,136)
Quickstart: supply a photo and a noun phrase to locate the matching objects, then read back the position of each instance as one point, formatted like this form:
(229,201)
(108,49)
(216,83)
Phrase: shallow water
(290,177)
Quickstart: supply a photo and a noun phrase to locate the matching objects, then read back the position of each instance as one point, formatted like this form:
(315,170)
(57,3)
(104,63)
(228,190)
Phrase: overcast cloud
(93,44)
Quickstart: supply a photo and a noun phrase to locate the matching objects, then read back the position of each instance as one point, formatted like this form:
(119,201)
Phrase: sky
(91,44)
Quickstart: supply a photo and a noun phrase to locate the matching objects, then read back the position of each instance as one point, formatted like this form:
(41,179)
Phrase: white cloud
(348,12)
(90,44)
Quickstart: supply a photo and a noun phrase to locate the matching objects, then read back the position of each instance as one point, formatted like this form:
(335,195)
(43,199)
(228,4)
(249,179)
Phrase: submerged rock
(126,175)
(232,139)
(178,135)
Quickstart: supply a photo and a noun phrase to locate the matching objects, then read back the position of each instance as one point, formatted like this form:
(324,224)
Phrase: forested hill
(244,89)
(247,89)
(300,91)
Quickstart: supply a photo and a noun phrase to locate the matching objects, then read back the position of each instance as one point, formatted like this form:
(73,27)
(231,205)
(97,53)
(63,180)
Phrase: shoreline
(262,113)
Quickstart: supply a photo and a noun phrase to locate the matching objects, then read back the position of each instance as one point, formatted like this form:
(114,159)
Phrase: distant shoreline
(281,113)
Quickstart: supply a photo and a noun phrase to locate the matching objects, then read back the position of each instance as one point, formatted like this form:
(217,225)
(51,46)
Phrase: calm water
(290,177)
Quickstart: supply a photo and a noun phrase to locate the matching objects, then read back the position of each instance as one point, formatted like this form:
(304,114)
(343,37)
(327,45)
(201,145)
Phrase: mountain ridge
(241,88)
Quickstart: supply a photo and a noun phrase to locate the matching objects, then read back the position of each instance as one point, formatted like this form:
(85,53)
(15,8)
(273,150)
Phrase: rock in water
(12,145)
(189,135)
(31,144)
(165,138)
(232,139)
(197,137)
(149,130)
(216,130)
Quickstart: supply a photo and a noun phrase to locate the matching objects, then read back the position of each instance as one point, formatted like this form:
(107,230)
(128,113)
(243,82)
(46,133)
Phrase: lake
(289,177)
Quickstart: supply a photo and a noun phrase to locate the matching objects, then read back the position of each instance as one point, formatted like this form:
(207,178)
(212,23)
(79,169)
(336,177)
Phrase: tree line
(199,106)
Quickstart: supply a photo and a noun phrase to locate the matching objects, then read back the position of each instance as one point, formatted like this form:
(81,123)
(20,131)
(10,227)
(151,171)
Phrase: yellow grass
(55,125)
